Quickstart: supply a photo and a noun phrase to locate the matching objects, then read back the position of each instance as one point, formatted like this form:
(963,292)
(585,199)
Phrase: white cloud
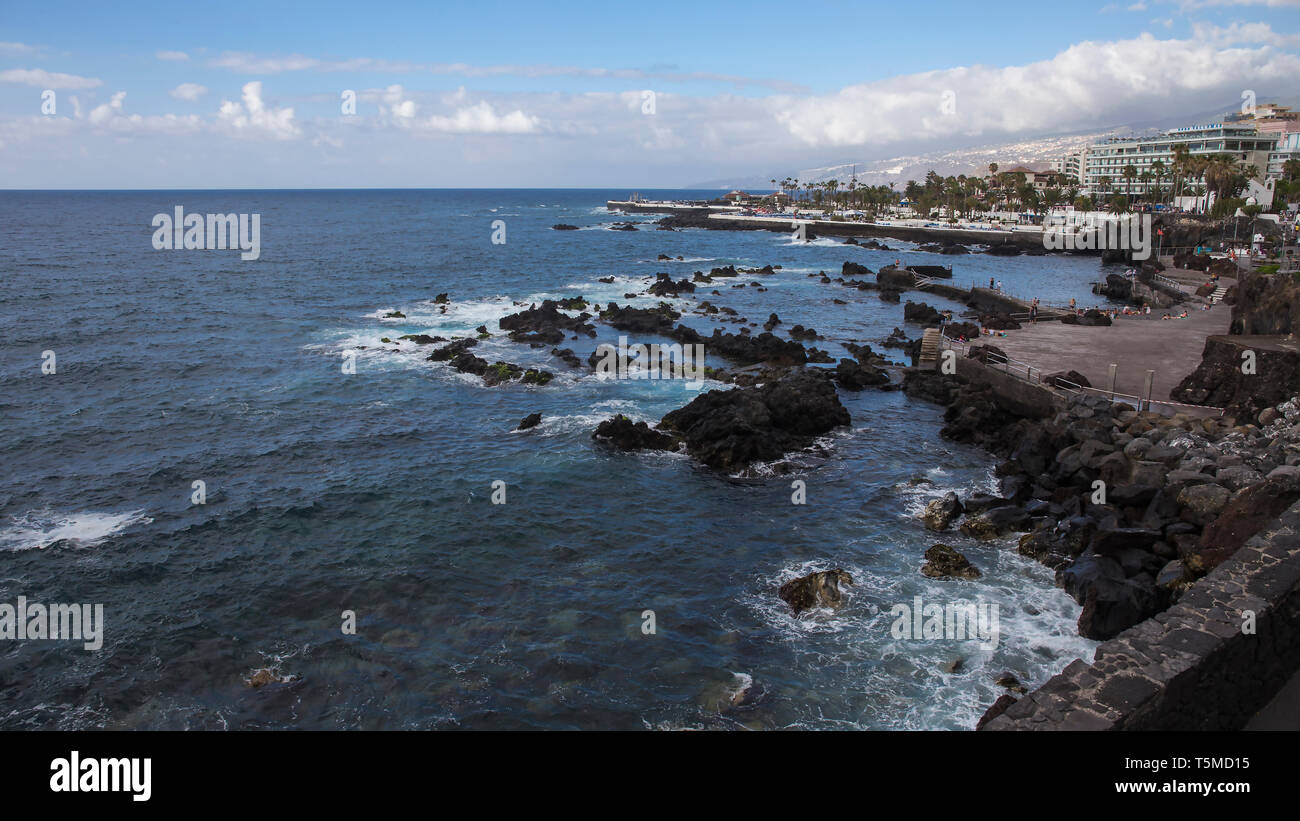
(113,117)
(482,118)
(397,105)
(41,78)
(243,62)
(188,91)
(1254,34)
(253,117)
(1087,83)
(173,56)
(102,113)
(15,49)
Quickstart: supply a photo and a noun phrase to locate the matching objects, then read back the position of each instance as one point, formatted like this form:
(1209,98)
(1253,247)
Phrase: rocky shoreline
(1128,507)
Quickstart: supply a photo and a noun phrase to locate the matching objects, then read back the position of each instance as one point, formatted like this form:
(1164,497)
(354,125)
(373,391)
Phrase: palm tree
(1129,172)
(1181,158)
(1158,171)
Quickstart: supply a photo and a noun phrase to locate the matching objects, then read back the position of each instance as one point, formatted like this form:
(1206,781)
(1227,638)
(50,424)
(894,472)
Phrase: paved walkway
(1172,348)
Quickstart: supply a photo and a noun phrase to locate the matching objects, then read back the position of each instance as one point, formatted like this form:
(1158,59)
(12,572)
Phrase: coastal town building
(1104,162)
(1039,179)
(1269,118)
(1287,148)
(1071,165)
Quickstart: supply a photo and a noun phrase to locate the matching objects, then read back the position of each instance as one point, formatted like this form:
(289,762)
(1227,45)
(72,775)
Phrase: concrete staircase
(930,345)
(1218,294)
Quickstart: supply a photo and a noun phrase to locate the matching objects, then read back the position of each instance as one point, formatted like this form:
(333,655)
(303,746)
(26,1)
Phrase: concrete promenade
(1170,347)
(1025,236)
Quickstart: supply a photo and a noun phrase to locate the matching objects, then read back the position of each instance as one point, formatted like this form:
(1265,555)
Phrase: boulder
(624,434)
(940,513)
(818,589)
(1248,512)
(996,522)
(1201,503)
(729,430)
(942,562)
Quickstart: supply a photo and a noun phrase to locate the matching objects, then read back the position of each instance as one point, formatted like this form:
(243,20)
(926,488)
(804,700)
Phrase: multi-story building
(1287,148)
(1040,180)
(1104,162)
(1071,165)
(1269,118)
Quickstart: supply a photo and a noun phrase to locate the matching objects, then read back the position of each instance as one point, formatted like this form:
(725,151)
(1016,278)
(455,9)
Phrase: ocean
(326,493)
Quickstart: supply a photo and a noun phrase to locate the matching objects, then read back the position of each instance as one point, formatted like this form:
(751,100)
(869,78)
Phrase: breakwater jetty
(670,207)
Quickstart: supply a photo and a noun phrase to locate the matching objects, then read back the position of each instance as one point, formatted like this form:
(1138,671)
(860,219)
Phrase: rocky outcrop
(921,314)
(1266,304)
(1089,317)
(624,434)
(457,355)
(729,430)
(1220,381)
(818,589)
(942,562)
(658,320)
(939,514)
(664,286)
(545,324)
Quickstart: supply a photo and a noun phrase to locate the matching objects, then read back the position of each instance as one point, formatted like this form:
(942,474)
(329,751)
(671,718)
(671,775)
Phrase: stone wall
(1013,394)
(1190,667)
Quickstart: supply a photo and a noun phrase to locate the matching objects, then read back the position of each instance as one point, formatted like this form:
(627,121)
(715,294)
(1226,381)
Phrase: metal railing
(1012,367)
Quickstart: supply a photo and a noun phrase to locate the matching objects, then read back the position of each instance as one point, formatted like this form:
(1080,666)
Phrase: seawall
(1193,666)
(1023,239)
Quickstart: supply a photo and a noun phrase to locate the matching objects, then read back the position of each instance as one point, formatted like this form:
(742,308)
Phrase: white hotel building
(1109,158)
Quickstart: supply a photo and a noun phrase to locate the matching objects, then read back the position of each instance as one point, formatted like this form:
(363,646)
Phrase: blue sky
(529,94)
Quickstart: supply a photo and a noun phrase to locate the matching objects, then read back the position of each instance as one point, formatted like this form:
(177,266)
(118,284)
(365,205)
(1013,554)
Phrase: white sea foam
(916,497)
(40,529)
